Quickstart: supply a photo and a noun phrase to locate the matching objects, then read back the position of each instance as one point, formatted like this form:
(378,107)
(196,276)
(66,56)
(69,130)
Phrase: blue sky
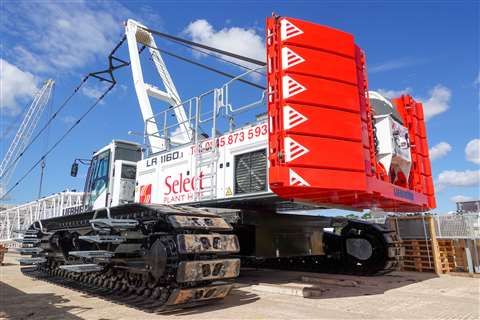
(428,49)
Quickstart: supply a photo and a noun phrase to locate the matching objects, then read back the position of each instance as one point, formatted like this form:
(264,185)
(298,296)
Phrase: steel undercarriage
(172,256)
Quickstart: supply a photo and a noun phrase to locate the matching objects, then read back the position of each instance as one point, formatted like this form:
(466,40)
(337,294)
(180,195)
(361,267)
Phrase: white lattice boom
(19,218)
(24,134)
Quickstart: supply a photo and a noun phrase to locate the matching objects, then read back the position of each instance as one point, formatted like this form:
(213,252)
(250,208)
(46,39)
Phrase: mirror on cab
(74,169)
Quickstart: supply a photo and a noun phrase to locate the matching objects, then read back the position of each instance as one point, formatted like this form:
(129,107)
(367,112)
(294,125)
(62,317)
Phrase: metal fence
(413,228)
(461,226)
(462,229)
(21,217)
(456,226)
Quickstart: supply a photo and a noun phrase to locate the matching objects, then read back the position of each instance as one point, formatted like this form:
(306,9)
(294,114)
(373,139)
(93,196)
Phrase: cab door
(96,188)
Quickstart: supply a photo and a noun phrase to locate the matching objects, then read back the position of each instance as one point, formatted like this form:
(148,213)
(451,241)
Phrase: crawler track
(152,257)
(125,289)
(387,253)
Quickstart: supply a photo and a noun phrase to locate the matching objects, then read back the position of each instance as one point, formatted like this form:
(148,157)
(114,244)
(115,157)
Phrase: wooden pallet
(446,255)
(3,250)
(429,256)
(418,255)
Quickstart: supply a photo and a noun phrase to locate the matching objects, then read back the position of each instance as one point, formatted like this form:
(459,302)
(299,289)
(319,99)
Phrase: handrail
(197,115)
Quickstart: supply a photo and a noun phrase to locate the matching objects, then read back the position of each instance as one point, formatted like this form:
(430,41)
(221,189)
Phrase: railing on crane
(210,114)
(15,220)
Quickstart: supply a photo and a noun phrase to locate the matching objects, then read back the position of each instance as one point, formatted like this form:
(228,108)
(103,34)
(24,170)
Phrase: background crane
(24,134)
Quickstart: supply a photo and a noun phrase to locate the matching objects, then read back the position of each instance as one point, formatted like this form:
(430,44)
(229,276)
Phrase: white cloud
(93,91)
(245,42)
(438,102)
(472,151)
(28,59)
(460,198)
(179,136)
(16,86)
(61,36)
(392,65)
(439,150)
(390,94)
(453,178)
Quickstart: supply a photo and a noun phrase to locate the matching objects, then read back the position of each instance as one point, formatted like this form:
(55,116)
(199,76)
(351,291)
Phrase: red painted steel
(321,136)
(341,124)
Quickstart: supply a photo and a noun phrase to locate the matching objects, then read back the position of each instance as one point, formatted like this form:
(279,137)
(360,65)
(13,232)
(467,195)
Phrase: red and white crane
(159,225)
(327,141)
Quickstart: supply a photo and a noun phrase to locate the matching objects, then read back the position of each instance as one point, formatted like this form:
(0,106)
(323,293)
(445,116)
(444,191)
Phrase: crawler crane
(170,227)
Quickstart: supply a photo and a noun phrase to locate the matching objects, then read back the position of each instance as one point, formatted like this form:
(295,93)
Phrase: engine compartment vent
(251,172)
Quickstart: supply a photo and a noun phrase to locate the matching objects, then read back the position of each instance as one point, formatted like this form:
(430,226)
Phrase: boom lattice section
(24,133)
(16,220)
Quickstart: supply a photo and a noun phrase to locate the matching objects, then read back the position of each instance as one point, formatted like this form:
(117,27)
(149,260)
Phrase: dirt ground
(263,294)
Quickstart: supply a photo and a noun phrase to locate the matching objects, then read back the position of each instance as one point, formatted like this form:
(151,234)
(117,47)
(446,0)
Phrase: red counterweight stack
(421,173)
(321,136)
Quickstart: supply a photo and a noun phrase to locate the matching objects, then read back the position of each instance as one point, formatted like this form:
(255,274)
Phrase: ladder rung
(82,267)
(28,241)
(30,236)
(20,231)
(103,239)
(92,254)
(31,261)
(115,223)
(29,250)
(208,158)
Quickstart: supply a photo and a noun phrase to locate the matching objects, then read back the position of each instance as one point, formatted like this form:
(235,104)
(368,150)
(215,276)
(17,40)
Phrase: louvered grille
(251,172)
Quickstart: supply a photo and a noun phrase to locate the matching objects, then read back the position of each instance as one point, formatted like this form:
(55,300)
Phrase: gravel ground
(263,294)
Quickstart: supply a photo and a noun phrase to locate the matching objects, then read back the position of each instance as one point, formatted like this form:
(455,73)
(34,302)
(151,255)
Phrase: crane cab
(111,175)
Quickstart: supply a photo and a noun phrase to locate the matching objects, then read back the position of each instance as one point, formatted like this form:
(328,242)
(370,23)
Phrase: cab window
(99,175)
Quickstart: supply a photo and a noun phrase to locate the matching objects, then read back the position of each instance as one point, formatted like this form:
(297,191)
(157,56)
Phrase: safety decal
(296,180)
(291,87)
(293,149)
(292,118)
(288,30)
(290,58)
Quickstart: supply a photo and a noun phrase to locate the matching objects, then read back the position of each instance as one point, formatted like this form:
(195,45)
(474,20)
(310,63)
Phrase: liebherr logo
(292,118)
(290,58)
(293,149)
(291,87)
(288,30)
(296,180)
